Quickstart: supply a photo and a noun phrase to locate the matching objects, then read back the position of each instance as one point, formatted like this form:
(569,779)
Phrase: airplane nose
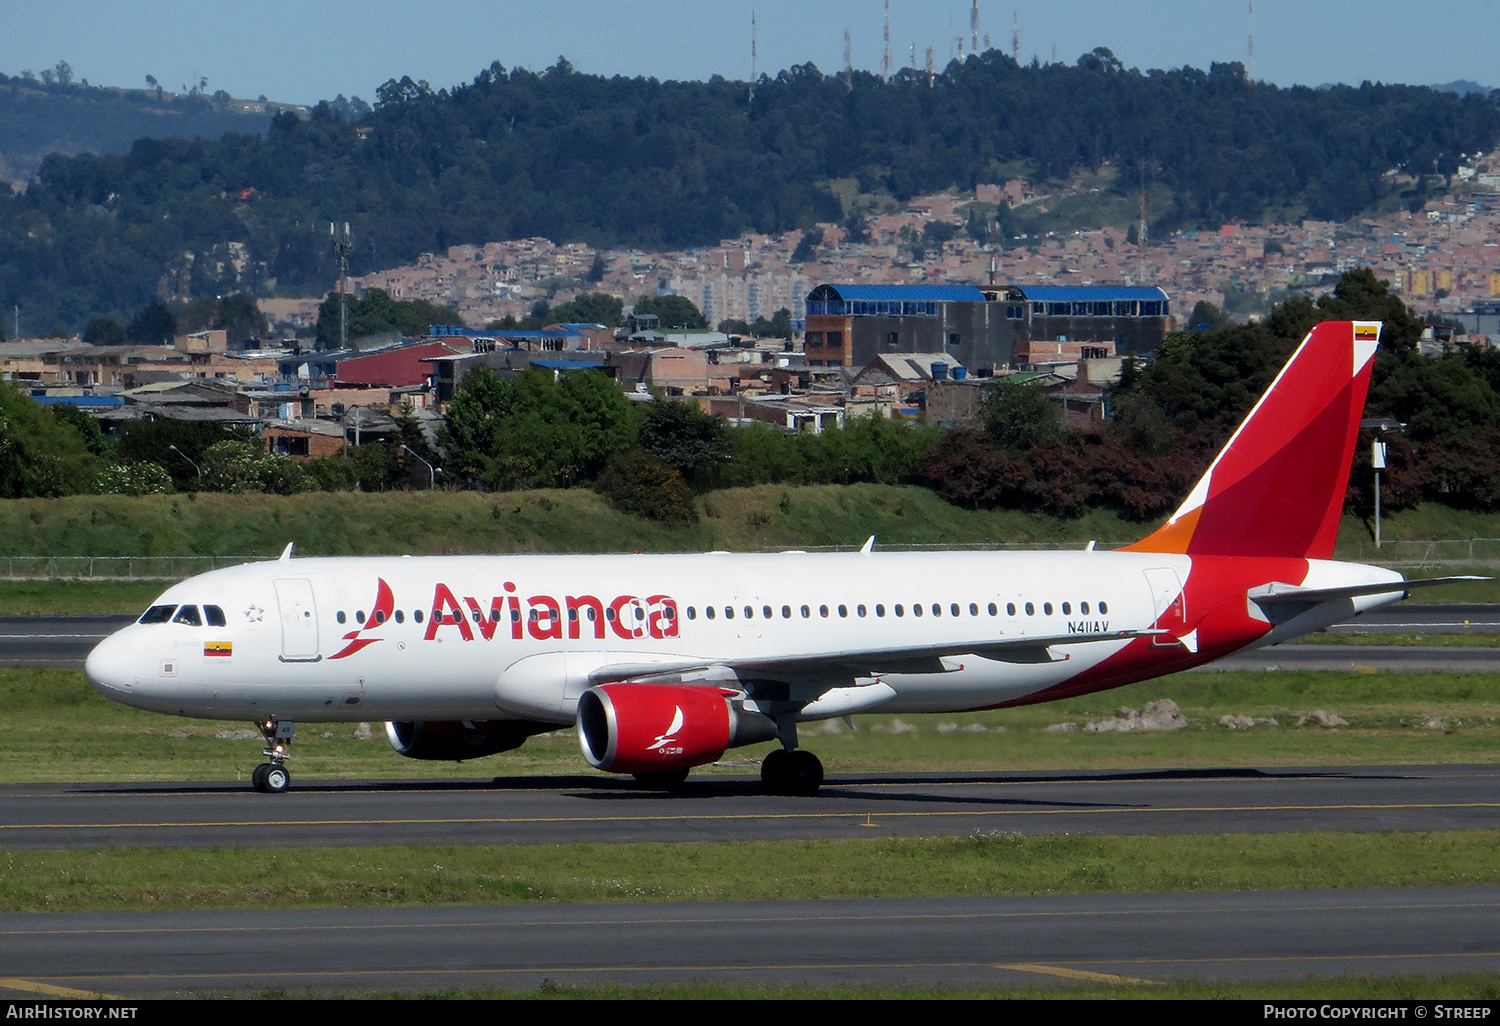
(110,667)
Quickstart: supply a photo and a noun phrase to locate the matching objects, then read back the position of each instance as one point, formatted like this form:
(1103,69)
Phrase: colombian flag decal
(218,648)
(1366,332)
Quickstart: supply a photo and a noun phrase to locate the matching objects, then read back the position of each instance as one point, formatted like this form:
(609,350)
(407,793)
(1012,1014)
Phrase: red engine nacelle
(656,728)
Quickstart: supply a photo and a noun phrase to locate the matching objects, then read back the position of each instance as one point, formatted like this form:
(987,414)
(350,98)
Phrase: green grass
(1454,987)
(60,730)
(882,867)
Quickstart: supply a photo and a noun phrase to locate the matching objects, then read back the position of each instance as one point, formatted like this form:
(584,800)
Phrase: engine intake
(457,740)
(654,728)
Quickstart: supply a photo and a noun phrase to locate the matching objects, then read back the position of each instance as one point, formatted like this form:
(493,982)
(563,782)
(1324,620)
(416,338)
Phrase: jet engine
(658,728)
(456,740)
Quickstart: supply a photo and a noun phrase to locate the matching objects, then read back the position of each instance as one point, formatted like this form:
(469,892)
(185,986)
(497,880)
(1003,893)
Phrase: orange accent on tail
(1277,487)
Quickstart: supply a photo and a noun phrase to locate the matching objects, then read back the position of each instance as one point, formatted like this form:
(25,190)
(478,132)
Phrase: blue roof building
(985,329)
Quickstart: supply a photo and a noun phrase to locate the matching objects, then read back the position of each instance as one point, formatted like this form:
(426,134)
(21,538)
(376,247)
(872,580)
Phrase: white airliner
(666,661)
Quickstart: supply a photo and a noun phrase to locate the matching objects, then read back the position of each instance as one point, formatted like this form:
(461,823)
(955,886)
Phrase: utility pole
(343,244)
(1377,460)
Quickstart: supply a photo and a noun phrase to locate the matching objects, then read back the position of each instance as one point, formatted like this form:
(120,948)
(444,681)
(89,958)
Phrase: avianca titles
(663,662)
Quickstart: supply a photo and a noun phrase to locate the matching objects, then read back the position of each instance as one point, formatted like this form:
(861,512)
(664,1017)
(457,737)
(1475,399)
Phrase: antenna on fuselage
(286,553)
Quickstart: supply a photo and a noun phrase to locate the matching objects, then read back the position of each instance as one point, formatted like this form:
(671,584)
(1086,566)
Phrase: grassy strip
(1404,640)
(1454,987)
(982,864)
(59,729)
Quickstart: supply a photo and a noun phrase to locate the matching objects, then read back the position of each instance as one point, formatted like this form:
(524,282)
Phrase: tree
(534,430)
(684,438)
(673,311)
(154,325)
(1019,415)
(104,331)
(807,246)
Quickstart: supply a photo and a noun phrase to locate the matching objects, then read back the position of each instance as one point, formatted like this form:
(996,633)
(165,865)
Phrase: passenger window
(749,612)
(1010,609)
(416,615)
(899,611)
(1047,608)
(806,612)
(692,613)
(729,612)
(380,616)
(341,618)
(1030,609)
(1083,607)
(916,609)
(843,611)
(708,611)
(786,612)
(157,614)
(359,617)
(401,617)
(879,609)
(766,612)
(1066,608)
(822,610)
(1103,609)
(859,609)
(974,609)
(188,615)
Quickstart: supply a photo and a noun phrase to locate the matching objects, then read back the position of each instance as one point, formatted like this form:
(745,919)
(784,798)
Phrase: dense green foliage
(376,313)
(1171,416)
(637,161)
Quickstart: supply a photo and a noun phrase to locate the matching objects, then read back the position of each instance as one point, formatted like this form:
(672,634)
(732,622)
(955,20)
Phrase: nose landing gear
(273,777)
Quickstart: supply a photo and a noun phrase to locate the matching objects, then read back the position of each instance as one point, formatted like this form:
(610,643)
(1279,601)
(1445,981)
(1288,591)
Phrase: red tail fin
(1277,488)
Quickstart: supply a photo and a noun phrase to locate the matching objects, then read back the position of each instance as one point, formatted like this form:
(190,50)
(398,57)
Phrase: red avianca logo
(541,617)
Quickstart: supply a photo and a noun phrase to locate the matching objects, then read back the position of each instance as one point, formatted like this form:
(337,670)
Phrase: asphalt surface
(1126,941)
(720,809)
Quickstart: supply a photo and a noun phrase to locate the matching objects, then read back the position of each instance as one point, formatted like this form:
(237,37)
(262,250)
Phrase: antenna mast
(753,55)
(974,27)
(1250,45)
(885,60)
(343,245)
(1015,36)
(848,61)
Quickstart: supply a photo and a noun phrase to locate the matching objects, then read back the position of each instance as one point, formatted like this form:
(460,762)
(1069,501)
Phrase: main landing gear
(273,777)
(791,772)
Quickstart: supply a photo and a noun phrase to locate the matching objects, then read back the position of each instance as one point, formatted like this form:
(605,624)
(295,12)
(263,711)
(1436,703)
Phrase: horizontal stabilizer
(1277,593)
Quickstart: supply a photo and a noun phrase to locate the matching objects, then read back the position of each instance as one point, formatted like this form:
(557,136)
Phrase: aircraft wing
(869,662)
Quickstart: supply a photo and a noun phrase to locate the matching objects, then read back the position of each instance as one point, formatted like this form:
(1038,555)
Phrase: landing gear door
(1168,605)
(299,620)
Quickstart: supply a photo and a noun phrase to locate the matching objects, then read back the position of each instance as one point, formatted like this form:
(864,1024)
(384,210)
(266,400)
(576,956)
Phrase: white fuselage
(518,637)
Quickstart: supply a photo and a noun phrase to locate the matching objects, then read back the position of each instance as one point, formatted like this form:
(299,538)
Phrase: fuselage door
(299,620)
(1168,604)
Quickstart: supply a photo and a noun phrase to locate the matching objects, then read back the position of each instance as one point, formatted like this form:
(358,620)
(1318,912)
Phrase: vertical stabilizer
(1277,488)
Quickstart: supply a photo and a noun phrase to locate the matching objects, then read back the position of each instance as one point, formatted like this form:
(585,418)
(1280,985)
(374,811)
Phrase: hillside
(640,162)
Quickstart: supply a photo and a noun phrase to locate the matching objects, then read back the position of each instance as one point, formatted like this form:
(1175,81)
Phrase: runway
(719,809)
(1126,941)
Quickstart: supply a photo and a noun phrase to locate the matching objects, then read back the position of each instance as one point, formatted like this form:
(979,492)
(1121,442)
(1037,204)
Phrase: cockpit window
(215,616)
(188,615)
(157,614)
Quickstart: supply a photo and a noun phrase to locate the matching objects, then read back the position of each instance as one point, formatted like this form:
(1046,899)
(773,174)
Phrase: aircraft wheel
(275,779)
(665,780)
(258,777)
(804,772)
(775,772)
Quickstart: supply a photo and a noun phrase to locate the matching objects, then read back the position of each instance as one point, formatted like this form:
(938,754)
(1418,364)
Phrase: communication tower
(343,245)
